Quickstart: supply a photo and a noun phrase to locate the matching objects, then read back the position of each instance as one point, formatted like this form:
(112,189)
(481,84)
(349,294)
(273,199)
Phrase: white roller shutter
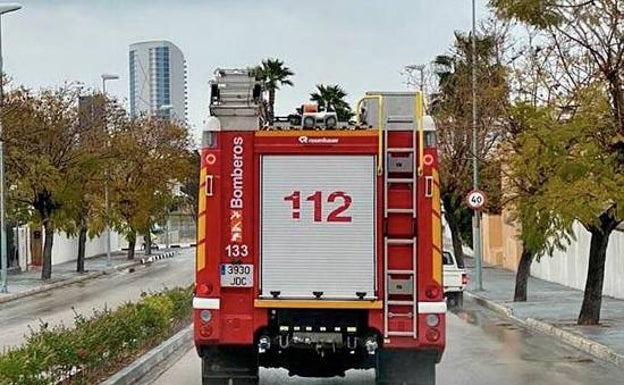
(329,251)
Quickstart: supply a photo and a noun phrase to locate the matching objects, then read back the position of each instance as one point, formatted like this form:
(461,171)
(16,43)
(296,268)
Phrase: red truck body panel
(229,231)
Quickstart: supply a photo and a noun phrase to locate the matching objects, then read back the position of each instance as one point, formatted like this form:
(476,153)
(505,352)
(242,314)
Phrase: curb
(152,360)
(157,257)
(65,282)
(583,344)
(84,277)
(494,306)
(588,346)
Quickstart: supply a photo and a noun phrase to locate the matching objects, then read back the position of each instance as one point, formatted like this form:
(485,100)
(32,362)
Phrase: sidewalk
(553,309)
(27,283)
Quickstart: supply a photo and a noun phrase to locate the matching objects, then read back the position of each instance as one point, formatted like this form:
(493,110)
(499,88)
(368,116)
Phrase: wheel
(230,365)
(455,300)
(460,299)
(405,367)
(451,300)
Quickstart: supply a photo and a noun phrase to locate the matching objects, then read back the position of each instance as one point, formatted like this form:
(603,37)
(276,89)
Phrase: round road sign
(476,199)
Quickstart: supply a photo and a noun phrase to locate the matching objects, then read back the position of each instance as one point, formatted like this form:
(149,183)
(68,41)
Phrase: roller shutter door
(318,226)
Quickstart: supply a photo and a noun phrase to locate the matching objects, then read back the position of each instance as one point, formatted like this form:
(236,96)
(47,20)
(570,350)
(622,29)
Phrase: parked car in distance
(155,246)
(455,280)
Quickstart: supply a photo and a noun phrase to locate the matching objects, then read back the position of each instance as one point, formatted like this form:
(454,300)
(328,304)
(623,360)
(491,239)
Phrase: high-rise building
(158,80)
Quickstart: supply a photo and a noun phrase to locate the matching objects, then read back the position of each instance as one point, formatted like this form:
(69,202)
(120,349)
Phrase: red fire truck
(319,245)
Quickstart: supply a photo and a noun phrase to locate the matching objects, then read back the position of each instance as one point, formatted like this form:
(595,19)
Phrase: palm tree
(274,74)
(444,68)
(331,98)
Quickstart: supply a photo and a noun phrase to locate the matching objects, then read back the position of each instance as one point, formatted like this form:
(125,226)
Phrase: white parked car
(455,280)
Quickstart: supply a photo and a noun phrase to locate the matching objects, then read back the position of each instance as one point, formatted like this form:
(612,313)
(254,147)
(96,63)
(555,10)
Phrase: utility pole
(106,77)
(164,112)
(4,259)
(476,220)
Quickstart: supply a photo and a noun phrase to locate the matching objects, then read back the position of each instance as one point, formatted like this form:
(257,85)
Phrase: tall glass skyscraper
(158,80)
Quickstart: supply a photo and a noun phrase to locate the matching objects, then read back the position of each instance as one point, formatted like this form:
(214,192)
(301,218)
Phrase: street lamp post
(420,68)
(4,262)
(168,108)
(476,220)
(106,77)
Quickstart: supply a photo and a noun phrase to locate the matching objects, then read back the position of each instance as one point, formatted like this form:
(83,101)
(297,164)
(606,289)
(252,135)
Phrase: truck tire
(450,300)
(405,367)
(455,300)
(230,365)
(460,299)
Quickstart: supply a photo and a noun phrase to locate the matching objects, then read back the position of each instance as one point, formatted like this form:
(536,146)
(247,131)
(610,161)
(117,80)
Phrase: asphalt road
(60,305)
(483,349)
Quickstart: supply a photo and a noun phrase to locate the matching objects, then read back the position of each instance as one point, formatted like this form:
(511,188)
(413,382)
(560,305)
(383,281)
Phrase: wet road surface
(483,348)
(56,306)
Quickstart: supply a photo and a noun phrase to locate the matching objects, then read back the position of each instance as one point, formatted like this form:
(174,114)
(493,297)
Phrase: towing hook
(371,345)
(283,341)
(264,344)
(352,342)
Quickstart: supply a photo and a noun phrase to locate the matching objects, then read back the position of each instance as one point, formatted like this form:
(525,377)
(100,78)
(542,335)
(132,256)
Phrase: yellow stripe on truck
(419,116)
(202,194)
(436,228)
(200,256)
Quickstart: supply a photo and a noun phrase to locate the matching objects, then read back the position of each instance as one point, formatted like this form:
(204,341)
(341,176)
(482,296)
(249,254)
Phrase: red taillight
(464,279)
(433,335)
(205,330)
(432,291)
(205,289)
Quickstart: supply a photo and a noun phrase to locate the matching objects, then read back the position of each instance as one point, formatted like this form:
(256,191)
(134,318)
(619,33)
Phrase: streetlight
(106,77)
(161,109)
(476,220)
(421,69)
(4,262)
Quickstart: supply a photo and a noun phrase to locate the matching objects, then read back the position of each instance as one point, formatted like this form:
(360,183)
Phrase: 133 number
(235,250)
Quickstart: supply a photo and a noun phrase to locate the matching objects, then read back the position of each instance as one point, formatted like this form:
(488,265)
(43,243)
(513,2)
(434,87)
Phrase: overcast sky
(360,44)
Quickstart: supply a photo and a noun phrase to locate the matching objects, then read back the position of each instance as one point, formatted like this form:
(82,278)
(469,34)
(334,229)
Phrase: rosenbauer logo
(236,201)
(322,140)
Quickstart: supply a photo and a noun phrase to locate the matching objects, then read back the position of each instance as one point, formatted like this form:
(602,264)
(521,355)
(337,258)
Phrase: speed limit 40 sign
(476,199)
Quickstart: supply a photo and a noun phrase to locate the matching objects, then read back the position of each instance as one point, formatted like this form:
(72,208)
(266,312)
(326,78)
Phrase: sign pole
(476,220)
(476,200)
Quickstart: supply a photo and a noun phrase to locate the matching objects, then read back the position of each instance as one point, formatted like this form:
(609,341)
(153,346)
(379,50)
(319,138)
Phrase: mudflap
(405,367)
(229,365)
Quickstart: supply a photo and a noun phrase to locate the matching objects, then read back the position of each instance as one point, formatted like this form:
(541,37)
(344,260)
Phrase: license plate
(237,275)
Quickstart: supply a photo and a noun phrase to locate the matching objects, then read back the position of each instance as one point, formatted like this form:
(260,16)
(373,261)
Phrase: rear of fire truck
(319,244)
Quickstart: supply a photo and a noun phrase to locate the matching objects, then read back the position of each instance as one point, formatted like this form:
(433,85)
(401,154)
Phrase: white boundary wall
(570,267)
(65,249)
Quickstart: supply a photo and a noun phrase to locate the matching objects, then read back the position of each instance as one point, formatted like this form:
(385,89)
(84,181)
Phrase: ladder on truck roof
(401,149)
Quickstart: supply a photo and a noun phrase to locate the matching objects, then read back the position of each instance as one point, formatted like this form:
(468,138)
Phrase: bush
(97,345)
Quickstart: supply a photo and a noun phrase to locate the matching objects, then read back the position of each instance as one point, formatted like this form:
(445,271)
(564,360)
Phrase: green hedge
(98,345)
